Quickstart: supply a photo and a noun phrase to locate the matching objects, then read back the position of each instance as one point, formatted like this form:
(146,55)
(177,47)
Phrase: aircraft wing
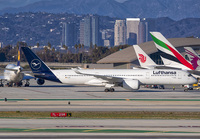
(30,73)
(27,77)
(107,77)
(166,67)
(195,72)
(139,67)
(11,69)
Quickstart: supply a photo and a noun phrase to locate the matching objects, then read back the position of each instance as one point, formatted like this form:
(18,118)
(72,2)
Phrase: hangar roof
(128,55)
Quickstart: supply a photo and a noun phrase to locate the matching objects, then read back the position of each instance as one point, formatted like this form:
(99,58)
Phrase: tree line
(48,54)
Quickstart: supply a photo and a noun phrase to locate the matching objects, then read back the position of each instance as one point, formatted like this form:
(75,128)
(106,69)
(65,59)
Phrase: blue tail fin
(39,68)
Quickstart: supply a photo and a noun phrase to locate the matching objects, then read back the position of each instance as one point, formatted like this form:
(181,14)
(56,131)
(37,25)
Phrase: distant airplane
(169,55)
(129,79)
(144,60)
(13,74)
(193,57)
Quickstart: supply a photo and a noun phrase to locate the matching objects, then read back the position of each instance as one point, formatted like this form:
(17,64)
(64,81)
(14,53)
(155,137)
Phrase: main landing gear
(109,90)
(1,84)
(19,84)
(27,83)
(10,84)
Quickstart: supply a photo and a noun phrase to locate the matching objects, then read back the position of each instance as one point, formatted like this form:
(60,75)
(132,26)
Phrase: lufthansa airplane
(13,74)
(129,79)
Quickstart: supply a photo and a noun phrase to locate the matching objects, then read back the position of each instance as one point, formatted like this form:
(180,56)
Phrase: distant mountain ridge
(175,9)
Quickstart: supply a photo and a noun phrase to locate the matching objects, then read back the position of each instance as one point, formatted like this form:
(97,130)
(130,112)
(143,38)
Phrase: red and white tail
(144,60)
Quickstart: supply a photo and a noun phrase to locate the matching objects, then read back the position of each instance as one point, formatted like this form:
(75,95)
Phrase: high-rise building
(63,41)
(132,27)
(89,31)
(69,36)
(82,32)
(95,30)
(107,36)
(132,39)
(120,32)
(142,31)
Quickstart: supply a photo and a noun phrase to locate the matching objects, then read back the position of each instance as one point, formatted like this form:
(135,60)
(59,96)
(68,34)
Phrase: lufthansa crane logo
(35,64)
(142,58)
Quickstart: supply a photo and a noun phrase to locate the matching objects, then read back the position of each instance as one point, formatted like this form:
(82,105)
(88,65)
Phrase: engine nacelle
(40,81)
(131,84)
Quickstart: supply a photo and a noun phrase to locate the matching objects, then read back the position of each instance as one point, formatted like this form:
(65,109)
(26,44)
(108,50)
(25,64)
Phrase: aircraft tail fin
(193,56)
(168,52)
(38,67)
(18,56)
(144,60)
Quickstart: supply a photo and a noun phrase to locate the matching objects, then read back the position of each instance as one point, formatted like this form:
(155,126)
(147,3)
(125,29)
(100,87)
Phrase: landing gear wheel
(112,90)
(10,84)
(19,84)
(106,90)
(185,90)
(27,83)
(109,90)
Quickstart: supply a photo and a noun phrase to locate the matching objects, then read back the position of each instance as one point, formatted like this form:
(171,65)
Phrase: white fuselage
(13,76)
(154,76)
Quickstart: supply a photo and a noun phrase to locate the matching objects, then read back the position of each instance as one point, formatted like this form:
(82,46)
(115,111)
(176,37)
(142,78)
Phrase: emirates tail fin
(170,56)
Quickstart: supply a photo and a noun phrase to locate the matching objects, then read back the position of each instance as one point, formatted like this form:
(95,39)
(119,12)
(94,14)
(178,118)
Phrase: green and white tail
(170,56)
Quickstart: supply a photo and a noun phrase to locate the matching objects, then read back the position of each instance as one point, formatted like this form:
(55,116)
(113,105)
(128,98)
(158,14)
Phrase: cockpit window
(189,75)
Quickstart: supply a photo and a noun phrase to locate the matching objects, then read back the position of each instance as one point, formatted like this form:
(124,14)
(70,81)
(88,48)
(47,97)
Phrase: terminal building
(127,59)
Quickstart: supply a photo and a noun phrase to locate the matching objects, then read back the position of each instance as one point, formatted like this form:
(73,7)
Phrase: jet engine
(130,84)
(40,81)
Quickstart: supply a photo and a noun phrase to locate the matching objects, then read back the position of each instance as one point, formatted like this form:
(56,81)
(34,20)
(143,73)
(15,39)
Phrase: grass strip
(105,115)
(88,130)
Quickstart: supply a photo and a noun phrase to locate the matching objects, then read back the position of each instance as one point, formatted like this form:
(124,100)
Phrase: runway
(51,90)
(56,97)
(187,105)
